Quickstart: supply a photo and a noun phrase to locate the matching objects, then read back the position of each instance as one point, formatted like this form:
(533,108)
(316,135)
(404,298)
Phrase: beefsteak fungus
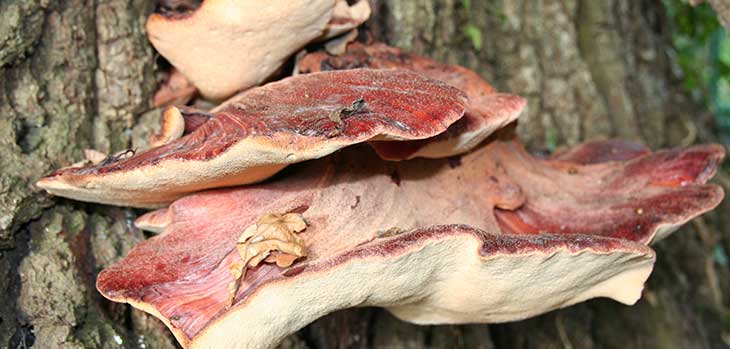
(487,111)
(257,133)
(497,236)
(225,46)
(465,227)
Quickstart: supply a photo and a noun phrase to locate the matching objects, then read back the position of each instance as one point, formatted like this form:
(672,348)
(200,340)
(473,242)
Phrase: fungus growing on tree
(463,208)
(262,130)
(225,46)
(515,235)
(175,90)
(487,110)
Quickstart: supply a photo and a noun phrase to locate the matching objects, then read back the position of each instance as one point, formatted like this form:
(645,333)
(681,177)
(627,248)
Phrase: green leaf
(474,35)
(719,255)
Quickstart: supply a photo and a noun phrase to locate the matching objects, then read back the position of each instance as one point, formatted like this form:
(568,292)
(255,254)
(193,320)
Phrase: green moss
(21,23)
(54,293)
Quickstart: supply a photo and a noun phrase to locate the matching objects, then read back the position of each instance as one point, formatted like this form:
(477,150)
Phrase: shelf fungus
(174,90)
(498,236)
(225,46)
(466,226)
(260,131)
(487,111)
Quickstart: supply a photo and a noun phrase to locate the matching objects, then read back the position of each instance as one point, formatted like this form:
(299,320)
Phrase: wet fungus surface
(538,234)
(258,132)
(487,111)
(406,183)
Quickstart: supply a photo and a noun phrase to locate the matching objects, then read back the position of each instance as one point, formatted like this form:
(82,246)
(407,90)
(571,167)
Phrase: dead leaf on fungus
(515,235)
(272,232)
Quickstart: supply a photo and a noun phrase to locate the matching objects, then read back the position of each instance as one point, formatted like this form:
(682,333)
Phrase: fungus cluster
(442,217)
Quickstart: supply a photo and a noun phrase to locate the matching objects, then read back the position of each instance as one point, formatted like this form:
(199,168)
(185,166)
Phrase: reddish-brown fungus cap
(633,194)
(487,111)
(405,235)
(260,131)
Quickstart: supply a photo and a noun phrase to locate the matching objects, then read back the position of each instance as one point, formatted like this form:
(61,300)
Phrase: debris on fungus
(516,235)
(272,232)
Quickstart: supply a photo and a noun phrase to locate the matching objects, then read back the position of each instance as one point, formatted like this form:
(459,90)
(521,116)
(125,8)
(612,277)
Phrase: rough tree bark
(78,74)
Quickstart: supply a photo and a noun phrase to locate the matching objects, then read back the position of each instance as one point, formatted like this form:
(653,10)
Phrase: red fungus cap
(516,235)
(487,111)
(262,130)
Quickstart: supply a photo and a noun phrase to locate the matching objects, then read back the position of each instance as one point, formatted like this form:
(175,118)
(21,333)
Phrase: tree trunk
(78,74)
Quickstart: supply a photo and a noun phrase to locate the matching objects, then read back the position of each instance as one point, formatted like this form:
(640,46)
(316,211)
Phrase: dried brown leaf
(272,232)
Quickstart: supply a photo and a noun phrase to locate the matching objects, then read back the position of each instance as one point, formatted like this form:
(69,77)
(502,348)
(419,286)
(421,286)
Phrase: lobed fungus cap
(515,235)
(260,131)
(486,112)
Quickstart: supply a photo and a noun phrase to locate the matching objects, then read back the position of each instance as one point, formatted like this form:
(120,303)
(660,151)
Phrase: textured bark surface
(73,74)
(80,74)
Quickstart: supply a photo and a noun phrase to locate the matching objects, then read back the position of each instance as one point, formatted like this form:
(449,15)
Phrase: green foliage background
(702,53)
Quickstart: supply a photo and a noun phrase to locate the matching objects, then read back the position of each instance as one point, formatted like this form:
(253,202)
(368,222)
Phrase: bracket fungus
(242,262)
(174,90)
(257,133)
(225,46)
(487,110)
(515,235)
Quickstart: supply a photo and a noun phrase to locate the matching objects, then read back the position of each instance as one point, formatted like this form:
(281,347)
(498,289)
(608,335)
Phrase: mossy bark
(73,74)
(80,74)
